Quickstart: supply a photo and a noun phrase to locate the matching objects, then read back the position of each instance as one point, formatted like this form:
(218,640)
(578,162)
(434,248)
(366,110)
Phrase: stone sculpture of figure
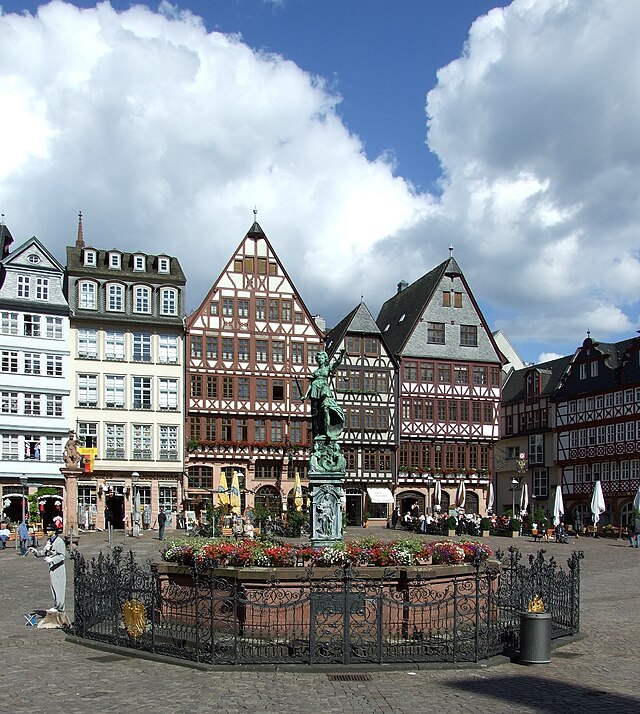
(324,516)
(71,453)
(54,554)
(326,414)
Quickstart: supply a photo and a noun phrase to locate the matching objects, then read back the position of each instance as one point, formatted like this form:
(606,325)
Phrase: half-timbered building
(365,387)
(251,344)
(598,428)
(449,391)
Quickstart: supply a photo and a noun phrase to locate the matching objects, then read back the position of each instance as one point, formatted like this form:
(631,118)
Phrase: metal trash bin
(535,638)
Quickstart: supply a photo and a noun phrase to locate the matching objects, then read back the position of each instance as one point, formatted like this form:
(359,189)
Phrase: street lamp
(513,488)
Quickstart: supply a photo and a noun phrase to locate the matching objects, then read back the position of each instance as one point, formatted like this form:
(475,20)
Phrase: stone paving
(597,672)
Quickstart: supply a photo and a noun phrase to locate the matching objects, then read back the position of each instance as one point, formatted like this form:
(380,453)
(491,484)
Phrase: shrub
(485,524)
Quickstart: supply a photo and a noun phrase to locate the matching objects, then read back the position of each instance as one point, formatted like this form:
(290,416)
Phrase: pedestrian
(395,517)
(5,534)
(634,529)
(23,536)
(162,522)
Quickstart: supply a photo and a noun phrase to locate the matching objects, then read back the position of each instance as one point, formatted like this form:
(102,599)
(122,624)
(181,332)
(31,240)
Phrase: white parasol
(597,502)
(461,495)
(558,506)
(437,494)
(524,498)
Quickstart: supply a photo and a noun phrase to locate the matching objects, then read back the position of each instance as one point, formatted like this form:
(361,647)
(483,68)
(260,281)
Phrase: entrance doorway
(114,511)
(354,508)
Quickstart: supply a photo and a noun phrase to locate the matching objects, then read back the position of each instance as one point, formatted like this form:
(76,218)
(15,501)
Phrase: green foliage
(261,513)
(515,524)
(296,520)
(485,524)
(452,522)
(540,518)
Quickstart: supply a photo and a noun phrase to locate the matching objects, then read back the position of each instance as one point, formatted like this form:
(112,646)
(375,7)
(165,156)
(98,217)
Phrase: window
(24,286)
(168,394)
(32,363)
(114,441)
(227,348)
(243,350)
(237,265)
(444,374)
(248,264)
(115,261)
(142,392)
(274,310)
(286,311)
(32,325)
(9,402)
(261,307)
(195,385)
(468,335)
(42,288)
(31,404)
(277,390)
(87,296)
(426,373)
(114,391)
(54,449)
(540,483)
(164,265)
(460,375)
(87,343)
(410,372)
(9,323)
(594,369)
(114,345)
(262,350)
(168,349)
(9,447)
(536,449)
(54,328)
(141,299)
(277,351)
(371,346)
(262,393)
(212,347)
(225,430)
(212,386)
(32,448)
(243,308)
(196,346)
(295,432)
(312,351)
(480,376)
(227,387)
(141,347)
(583,371)
(139,262)
(142,442)
(435,333)
(87,390)
(90,258)
(297,353)
(168,443)
(54,405)
(227,307)
(88,434)
(243,388)
(353,344)
(115,298)
(168,301)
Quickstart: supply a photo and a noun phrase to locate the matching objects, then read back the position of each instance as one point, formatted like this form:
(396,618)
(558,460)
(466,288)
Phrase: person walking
(395,517)
(634,529)
(162,522)
(23,536)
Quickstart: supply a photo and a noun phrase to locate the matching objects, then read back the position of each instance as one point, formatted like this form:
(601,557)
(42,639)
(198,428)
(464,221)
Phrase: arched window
(407,499)
(115,297)
(87,295)
(200,477)
(471,503)
(141,299)
(268,497)
(168,301)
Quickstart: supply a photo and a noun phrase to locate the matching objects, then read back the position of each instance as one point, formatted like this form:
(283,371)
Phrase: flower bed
(203,554)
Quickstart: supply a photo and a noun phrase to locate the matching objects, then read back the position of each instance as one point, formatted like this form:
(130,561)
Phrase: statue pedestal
(71,499)
(327,496)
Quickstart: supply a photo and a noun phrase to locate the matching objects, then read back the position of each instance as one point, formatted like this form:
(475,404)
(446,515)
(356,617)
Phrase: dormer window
(163,265)
(90,259)
(139,262)
(115,261)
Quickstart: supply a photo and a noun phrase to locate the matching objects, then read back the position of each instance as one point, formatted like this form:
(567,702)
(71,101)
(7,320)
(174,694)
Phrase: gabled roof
(76,266)
(359,320)
(550,375)
(17,254)
(402,312)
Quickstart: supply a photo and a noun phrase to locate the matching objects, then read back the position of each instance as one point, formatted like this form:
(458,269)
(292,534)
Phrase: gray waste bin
(535,637)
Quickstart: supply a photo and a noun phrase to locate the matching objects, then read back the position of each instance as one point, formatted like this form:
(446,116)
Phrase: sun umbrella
(437,494)
(234,498)
(558,506)
(490,498)
(297,491)
(636,500)
(461,495)
(223,490)
(524,498)
(597,502)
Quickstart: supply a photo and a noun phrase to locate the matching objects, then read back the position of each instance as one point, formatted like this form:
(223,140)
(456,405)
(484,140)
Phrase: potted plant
(452,524)
(485,527)
(365,520)
(515,524)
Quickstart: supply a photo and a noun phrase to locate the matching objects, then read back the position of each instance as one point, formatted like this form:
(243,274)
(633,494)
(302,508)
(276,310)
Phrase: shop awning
(380,495)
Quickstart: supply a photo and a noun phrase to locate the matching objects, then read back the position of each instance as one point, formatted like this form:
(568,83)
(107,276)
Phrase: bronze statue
(327,416)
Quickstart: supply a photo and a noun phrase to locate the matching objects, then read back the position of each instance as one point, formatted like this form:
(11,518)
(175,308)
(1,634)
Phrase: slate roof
(411,303)
(359,320)
(75,266)
(550,375)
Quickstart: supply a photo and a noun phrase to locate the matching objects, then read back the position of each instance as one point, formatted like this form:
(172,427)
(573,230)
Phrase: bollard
(535,638)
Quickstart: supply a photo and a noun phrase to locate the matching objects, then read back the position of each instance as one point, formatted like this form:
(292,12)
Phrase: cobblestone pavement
(598,672)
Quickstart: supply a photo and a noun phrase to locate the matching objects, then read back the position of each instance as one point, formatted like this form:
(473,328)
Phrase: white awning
(380,495)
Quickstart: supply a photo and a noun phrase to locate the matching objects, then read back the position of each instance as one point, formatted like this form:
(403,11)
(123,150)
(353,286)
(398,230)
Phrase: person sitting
(5,534)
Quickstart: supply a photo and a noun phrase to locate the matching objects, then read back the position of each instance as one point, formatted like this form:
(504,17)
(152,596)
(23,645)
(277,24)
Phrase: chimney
(402,285)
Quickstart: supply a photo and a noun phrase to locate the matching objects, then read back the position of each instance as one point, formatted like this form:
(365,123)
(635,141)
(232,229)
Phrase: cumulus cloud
(167,135)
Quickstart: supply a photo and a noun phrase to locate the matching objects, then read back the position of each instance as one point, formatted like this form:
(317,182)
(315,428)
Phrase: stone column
(71,499)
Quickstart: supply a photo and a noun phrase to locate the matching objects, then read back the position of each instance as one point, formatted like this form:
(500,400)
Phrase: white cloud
(166,136)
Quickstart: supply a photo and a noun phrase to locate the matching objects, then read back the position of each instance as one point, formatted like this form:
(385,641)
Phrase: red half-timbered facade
(251,344)
(449,390)
(365,387)
(598,428)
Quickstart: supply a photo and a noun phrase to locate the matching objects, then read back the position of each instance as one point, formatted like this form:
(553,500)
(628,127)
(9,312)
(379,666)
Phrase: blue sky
(370,135)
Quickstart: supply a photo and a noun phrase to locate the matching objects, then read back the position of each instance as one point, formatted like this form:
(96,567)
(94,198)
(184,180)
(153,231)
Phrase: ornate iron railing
(334,617)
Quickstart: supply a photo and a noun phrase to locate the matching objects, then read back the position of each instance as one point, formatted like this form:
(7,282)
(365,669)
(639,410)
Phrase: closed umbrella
(558,506)
(437,495)
(461,495)
(490,498)
(524,498)
(597,502)
(297,491)
(234,498)
(223,490)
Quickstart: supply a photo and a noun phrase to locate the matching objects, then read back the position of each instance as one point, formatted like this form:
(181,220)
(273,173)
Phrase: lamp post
(513,488)
(429,483)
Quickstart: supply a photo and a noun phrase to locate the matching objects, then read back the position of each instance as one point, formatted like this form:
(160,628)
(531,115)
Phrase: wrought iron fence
(342,617)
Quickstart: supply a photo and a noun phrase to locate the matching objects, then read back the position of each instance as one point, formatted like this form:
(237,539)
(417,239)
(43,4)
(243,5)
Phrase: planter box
(515,534)
(451,532)
(485,534)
